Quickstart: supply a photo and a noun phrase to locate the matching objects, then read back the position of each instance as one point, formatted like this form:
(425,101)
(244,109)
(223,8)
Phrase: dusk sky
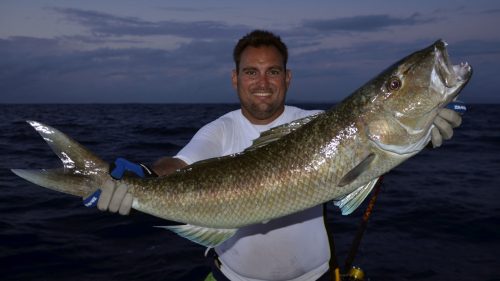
(181,51)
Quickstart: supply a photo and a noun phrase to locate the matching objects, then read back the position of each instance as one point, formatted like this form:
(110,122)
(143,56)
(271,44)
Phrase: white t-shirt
(294,247)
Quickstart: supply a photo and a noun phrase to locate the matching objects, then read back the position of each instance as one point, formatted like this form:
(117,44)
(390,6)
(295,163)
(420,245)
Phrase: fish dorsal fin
(356,171)
(352,200)
(278,132)
(264,139)
(208,237)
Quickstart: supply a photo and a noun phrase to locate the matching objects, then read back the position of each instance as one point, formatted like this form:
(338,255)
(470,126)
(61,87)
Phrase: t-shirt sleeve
(205,144)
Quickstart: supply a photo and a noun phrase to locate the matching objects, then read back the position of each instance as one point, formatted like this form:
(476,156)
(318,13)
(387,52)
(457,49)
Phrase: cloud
(468,48)
(337,72)
(103,24)
(41,70)
(44,70)
(107,25)
(184,9)
(121,64)
(491,11)
(198,8)
(365,23)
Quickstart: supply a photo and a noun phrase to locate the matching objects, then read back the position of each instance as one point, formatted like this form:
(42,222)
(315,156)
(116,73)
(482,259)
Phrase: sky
(99,51)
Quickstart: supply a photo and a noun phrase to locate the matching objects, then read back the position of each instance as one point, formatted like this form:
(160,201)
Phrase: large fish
(336,155)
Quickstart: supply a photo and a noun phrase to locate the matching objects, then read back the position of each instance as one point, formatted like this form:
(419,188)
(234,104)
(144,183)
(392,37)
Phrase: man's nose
(263,81)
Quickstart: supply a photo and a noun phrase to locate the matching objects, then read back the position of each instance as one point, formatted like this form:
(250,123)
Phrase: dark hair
(256,39)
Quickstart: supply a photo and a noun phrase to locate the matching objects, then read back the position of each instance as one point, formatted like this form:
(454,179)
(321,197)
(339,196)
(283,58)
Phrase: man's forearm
(167,165)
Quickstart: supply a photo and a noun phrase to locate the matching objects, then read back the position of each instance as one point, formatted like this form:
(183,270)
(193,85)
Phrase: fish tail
(82,172)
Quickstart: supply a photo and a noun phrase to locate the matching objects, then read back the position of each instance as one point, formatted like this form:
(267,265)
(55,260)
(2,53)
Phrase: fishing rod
(355,273)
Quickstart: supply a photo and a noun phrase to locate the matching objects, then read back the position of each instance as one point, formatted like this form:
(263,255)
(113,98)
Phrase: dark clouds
(113,61)
(110,75)
(491,11)
(366,23)
(102,24)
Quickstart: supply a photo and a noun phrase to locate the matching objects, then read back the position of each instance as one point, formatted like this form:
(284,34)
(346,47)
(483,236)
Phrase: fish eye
(394,84)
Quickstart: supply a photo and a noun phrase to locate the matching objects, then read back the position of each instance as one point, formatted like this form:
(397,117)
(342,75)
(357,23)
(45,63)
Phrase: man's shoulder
(229,117)
(228,120)
(294,112)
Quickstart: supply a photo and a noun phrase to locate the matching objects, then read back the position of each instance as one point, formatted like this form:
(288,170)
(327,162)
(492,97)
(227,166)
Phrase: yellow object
(355,273)
(210,277)
(337,274)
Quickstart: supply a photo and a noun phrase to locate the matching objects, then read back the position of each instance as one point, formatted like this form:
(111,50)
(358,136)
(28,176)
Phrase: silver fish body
(336,155)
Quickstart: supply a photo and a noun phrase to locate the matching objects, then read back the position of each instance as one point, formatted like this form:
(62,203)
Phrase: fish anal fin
(356,171)
(208,237)
(351,202)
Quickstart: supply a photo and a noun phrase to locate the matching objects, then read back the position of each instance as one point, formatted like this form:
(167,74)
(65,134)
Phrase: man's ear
(288,77)
(234,79)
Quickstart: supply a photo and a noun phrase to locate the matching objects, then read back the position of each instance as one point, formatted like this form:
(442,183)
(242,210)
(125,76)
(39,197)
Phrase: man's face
(261,84)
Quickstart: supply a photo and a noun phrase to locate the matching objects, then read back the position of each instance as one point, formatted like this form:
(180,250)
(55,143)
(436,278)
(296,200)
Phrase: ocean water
(436,218)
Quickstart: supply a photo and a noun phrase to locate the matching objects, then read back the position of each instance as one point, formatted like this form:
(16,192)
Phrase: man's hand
(113,195)
(115,198)
(444,122)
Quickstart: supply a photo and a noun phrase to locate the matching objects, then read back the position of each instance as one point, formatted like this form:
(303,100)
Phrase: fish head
(406,98)
(416,87)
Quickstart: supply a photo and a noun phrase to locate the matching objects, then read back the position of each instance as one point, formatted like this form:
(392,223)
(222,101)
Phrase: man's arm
(167,165)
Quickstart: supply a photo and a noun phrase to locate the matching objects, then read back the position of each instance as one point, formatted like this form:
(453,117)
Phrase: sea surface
(436,218)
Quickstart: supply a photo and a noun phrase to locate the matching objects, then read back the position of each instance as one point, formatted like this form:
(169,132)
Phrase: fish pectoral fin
(352,200)
(356,171)
(208,237)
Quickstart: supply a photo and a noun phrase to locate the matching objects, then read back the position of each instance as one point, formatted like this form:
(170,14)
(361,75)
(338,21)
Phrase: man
(294,247)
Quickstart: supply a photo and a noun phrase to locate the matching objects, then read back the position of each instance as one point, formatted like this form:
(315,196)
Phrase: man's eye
(274,72)
(250,72)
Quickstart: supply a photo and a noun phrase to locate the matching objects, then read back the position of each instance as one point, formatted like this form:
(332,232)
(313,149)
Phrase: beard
(263,110)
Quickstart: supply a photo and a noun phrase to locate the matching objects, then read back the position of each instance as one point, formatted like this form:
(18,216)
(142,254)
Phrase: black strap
(215,264)
(333,263)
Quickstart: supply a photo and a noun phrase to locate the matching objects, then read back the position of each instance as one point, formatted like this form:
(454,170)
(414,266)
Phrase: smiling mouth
(262,94)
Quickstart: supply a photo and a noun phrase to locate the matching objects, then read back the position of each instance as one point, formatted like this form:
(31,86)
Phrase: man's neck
(256,121)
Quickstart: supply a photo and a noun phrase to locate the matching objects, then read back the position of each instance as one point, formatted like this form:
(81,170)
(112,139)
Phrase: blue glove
(122,165)
(113,194)
(458,106)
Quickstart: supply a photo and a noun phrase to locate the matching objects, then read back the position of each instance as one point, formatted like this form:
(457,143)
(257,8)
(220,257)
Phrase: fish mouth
(449,79)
